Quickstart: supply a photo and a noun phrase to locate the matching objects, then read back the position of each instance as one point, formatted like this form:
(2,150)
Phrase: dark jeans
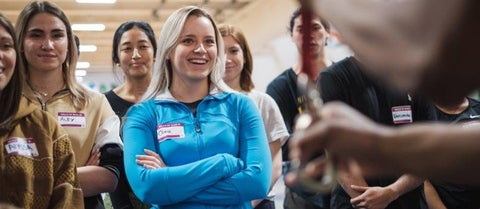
(266,204)
(296,198)
(295,201)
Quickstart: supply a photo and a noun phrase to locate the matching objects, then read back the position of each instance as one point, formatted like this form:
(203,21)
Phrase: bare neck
(132,90)
(48,82)
(189,92)
(234,84)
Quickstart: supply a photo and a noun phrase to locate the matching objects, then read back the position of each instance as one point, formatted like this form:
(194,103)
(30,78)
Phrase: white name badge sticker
(21,146)
(71,119)
(172,131)
(402,114)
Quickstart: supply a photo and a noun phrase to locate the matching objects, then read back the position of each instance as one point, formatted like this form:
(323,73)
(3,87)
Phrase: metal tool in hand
(312,104)
(310,114)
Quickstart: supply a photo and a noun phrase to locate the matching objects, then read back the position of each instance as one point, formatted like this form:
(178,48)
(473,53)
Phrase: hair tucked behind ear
(80,95)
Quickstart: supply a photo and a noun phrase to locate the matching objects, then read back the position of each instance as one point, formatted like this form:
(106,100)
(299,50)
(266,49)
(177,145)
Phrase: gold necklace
(39,92)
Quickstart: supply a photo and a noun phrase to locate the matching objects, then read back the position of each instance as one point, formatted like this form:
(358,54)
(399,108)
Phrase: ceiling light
(96,1)
(88,48)
(83,65)
(88,27)
(80,73)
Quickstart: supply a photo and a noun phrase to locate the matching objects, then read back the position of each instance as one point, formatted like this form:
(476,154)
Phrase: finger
(161,163)
(156,156)
(151,153)
(147,162)
(148,166)
(304,144)
(148,158)
(359,200)
(315,169)
(145,157)
(94,159)
(360,189)
(314,139)
(356,201)
(291,179)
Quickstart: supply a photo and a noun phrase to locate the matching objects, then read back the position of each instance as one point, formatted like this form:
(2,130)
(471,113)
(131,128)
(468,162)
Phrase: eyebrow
(129,42)
(6,38)
(42,31)
(193,35)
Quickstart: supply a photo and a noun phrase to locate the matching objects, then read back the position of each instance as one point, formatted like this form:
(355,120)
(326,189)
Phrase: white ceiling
(260,19)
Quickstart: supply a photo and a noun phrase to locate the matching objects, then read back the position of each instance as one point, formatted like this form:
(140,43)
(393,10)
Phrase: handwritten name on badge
(21,146)
(71,119)
(402,114)
(172,131)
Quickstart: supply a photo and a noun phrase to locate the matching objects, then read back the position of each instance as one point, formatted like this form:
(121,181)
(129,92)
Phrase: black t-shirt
(344,81)
(456,196)
(119,105)
(120,197)
(283,89)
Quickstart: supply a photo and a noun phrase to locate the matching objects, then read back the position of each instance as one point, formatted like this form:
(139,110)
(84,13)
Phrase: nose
(136,54)
(200,49)
(47,44)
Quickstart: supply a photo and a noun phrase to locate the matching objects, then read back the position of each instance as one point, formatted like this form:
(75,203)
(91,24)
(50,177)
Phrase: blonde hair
(169,35)
(79,94)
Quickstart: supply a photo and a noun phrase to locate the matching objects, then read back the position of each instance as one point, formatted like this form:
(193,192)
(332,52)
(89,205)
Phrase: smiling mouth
(198,61)
(47,57)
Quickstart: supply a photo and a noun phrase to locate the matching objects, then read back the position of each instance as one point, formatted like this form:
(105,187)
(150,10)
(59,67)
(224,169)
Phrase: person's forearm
(405,184)
(432,197)
(96,179)
(401,36)
(433,151)
(346,179)
(276,154)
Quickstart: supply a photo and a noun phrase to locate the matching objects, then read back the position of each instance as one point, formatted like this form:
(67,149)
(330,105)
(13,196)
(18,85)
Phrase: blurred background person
(346,81)
(238,75)
(283,89)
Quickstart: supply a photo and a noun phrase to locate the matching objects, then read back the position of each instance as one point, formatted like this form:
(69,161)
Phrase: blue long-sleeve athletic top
(218,158)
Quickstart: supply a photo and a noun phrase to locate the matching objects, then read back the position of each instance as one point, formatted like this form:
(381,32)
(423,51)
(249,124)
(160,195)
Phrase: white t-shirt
(272,118)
